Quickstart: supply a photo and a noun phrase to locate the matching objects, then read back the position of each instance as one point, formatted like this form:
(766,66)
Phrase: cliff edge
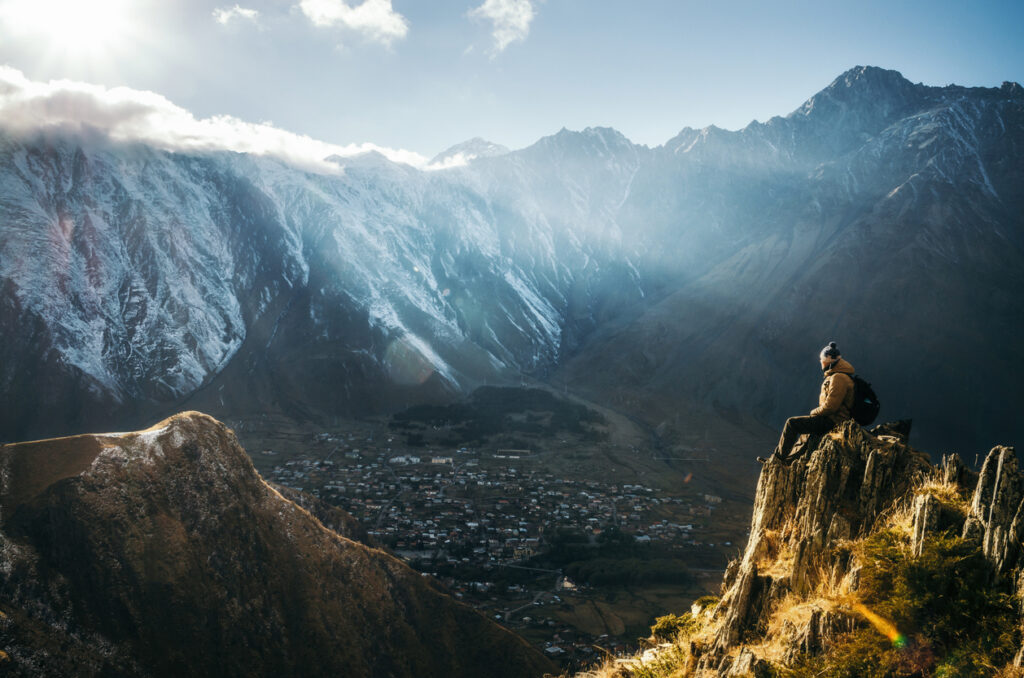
(863,559)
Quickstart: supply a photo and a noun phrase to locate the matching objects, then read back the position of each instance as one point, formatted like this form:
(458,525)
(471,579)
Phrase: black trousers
(797,426)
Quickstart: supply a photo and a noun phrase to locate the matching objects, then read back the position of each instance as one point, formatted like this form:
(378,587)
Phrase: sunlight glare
(72,27)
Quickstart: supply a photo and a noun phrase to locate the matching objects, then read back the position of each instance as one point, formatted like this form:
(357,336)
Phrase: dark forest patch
(513,413)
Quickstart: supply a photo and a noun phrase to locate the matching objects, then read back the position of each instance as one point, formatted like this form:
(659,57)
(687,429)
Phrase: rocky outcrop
(996,520)
(836,490)
(996,516)
(163,553)
(859,528)
(749,664)
(845,487)
(813,635)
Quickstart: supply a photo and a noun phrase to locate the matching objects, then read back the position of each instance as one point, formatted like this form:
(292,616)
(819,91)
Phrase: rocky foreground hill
(864,559)
(164,553)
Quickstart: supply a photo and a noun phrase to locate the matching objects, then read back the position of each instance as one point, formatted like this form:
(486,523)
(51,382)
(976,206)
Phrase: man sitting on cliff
(834,405)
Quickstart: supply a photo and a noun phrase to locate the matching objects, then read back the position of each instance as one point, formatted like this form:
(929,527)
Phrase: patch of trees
(629,571)
(614,558)
(492,410)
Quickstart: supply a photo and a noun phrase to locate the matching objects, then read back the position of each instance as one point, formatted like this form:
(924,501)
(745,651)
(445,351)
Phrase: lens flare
(405,364)
(886,627)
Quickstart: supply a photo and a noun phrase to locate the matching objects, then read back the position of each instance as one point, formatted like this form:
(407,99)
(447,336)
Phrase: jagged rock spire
(837,490)
(996,509)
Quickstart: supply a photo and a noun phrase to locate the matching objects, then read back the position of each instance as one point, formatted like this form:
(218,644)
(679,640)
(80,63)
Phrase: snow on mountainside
(121,258)
(142,273)
(138,278)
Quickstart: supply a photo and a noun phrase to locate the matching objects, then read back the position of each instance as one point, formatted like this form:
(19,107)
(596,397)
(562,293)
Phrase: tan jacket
(836,397)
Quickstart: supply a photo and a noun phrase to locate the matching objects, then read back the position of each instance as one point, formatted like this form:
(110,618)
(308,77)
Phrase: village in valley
(550,539)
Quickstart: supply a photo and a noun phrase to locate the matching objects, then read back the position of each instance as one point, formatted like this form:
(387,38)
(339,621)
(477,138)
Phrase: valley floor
(576,540)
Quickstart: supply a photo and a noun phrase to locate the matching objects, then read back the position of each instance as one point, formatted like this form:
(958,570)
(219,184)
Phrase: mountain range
(698,277)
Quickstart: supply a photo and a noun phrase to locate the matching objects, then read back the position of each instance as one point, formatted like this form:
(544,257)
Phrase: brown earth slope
(163,552)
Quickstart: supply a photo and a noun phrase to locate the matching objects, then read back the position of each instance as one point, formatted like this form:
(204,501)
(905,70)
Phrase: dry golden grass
(663,660)
(948,493)
(900,517)
(776,557)
(797,610)
(793,612)
(831,592)
(627,667)
(606,670)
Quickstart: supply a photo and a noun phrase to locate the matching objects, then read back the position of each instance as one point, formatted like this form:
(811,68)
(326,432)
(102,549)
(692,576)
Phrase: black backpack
(865,402)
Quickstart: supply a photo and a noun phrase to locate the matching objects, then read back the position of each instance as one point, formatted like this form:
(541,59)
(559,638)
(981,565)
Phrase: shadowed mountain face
(883,215)
(164,553)
(699,276)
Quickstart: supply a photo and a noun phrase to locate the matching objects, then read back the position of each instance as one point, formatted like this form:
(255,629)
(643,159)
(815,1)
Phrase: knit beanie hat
(830,351)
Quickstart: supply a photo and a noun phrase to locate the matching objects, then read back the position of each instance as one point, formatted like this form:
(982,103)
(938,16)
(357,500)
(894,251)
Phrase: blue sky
(425,74)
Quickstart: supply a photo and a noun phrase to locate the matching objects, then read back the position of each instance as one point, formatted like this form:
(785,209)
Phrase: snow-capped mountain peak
(463,153)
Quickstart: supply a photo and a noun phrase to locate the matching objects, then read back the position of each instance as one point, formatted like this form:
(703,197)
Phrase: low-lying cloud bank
(125,114)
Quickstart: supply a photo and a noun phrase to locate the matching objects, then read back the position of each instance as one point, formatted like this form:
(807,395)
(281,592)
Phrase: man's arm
(833,398)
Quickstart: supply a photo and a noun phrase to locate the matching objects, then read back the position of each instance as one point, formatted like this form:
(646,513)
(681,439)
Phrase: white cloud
(511,20)
(124,114)
(375,19)
(451,162)
(226,16)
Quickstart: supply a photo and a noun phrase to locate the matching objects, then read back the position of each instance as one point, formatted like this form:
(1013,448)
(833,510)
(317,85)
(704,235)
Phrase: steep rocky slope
(864,559)
(163,553)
